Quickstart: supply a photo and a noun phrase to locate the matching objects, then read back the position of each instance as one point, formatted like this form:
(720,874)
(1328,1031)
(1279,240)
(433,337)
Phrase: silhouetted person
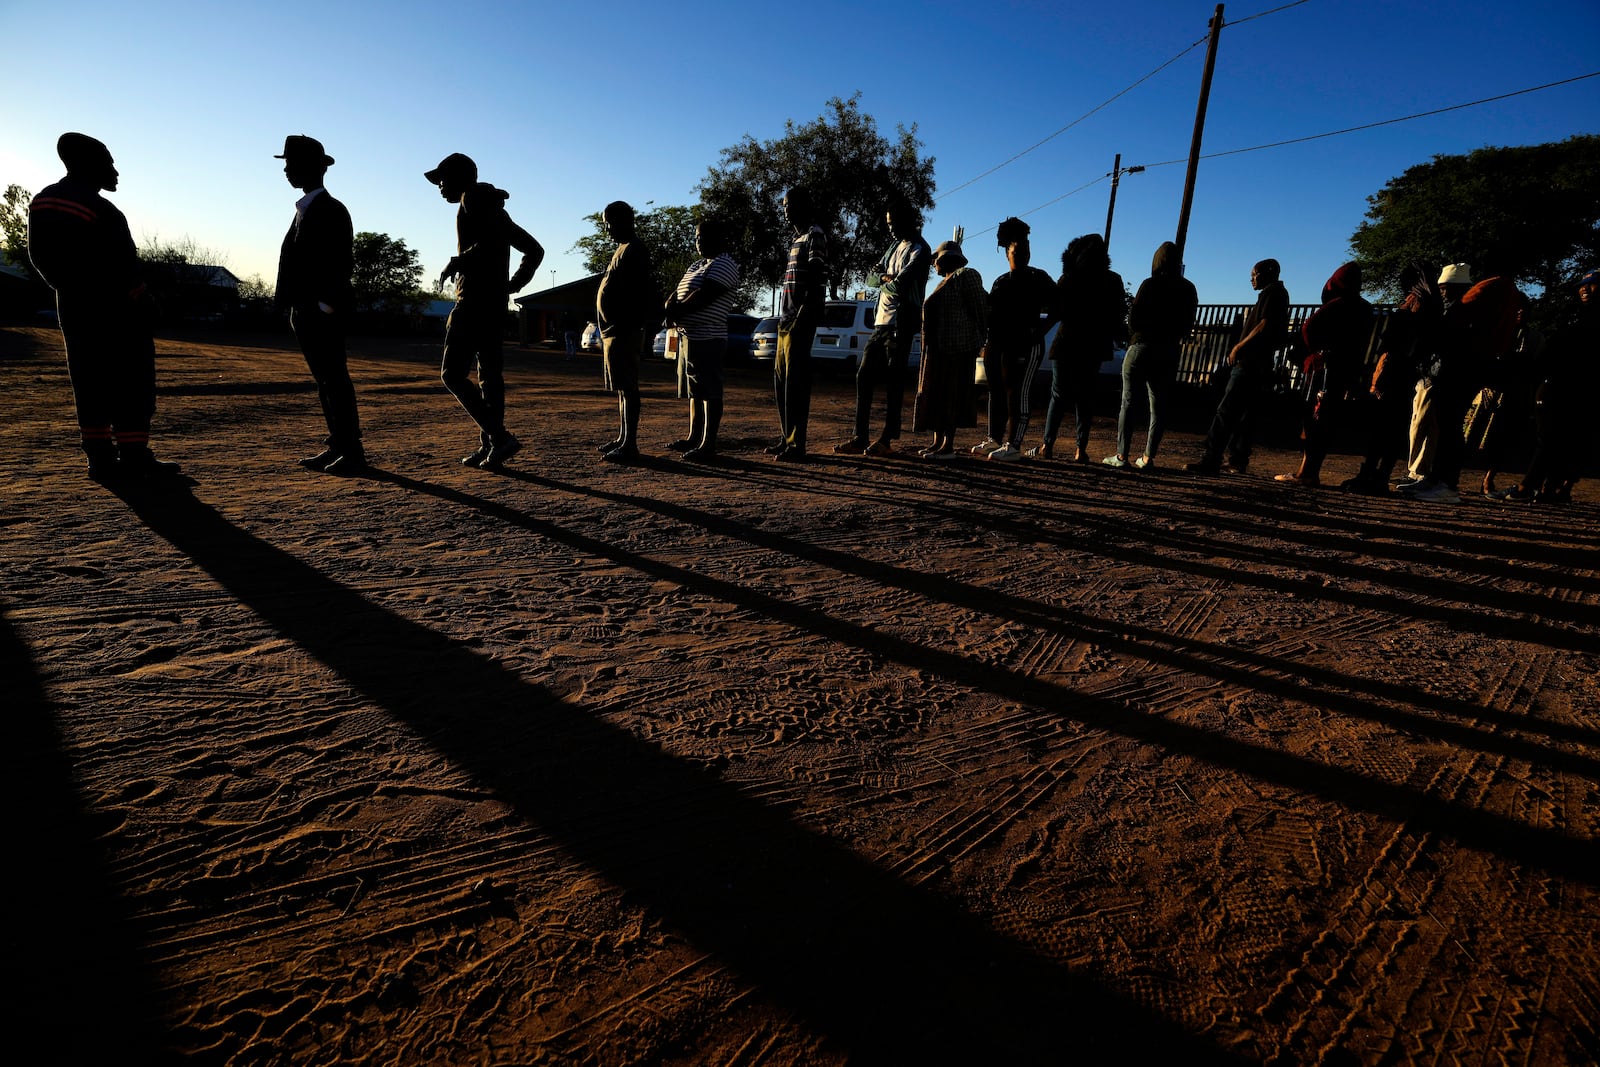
(1249,375)
(1018,302)
(1162,315)
(1336,335)
(81,246)
(474,334)
(954,321)
(1385,410)
(799,311)
(706,295)
(627,309)
(1091,304)
(314,288)
(902,274)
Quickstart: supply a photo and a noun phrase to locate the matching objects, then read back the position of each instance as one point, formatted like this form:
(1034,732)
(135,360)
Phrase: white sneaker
(1144,461)
(1006,454)
(984,447)
(1411,485)
(1115,461)
(1437,493)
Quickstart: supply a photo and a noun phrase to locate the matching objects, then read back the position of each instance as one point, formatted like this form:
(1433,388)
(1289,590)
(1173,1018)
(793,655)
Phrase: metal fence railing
(1218,328)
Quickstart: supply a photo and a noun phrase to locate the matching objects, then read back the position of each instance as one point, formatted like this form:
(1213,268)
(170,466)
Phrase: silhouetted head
(948,258)
(1092,254)
(1010,231)
(1264,273)
(1166,260)
(87,159)
(711,237)
(798,209)
(905,221)
(304,161)
(1455,280)
(618,216)
(454,176)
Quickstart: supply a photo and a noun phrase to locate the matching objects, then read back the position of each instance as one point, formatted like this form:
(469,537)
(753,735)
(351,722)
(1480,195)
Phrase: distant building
(544,316)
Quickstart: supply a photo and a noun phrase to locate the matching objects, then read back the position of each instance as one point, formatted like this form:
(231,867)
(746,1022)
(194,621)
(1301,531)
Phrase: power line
(1047,203)
(1264,14)
(1384,122)
(1074,122)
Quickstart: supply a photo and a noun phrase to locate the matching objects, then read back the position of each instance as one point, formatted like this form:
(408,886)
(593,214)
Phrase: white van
(845,327)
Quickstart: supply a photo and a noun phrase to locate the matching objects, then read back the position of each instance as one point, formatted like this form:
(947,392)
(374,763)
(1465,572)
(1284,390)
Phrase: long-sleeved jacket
(80,243)
(485,236)
(315,264)
(1165,306)
(1338,332)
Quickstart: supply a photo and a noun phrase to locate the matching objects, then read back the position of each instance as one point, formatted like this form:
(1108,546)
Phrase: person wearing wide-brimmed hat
(955,317)
(313,287)
(475,332)
(81,246)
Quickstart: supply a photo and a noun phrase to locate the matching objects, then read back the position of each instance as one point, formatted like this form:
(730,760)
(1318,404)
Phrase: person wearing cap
(1441,398)
(1161,317)
(955,318)
(1567,372)
(627,309)
(799,310)
(901,276)
(475,331)
(81,246)
(1250,367)
(313,287)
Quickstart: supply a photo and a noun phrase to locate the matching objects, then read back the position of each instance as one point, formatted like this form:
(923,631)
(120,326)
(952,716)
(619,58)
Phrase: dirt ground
(858,761)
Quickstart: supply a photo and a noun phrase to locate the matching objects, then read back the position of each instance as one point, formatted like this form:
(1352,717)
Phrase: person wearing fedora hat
(81,246)
(474,334)
(313,287)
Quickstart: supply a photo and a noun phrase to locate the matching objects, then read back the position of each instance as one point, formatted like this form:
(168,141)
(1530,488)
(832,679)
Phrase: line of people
(1444,342)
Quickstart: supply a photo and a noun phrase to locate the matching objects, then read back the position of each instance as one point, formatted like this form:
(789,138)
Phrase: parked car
(591,336)
(845,328)
(764,339)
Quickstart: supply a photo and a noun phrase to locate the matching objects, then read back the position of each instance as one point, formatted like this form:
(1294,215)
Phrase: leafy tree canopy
(853,173)
(14,226)
(1531,212)
(387,276)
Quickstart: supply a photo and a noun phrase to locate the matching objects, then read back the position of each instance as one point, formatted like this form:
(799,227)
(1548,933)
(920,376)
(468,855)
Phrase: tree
(852,172)
(1531,212)
(387,276)
(255,288)
(14,226)
(668,231)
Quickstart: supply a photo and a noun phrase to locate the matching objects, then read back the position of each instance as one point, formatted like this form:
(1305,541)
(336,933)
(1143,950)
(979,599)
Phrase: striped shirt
(804,278)
(710,320)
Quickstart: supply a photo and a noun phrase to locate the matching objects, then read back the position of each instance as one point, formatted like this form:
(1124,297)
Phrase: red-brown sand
(856,761)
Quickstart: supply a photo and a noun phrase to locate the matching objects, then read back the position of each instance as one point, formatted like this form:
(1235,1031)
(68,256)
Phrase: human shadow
(890,973)
(79,986)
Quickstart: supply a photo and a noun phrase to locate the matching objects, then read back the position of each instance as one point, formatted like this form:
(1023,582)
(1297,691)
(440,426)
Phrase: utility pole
(1116,177)
(1199,129)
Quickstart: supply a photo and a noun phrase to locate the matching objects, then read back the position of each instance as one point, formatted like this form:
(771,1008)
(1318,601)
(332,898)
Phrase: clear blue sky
(569,106)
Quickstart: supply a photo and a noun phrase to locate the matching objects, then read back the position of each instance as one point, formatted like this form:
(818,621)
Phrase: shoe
(1411,485)
(682,444)
(1144,462)
(984,447)
(1437,493)
(501,450)
(941,454)
(702,454)
(1006,454)
(1230,467)
(792,454)
(612,446)
(1038,452)
(1114,461)
(1200,466)
(321,460)
(348,464)
(1516,495)
(1295,479)
(140,463)
(622,454)
(853,447)
(778,449)
(476,458)
(1080,456)
(880,447)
